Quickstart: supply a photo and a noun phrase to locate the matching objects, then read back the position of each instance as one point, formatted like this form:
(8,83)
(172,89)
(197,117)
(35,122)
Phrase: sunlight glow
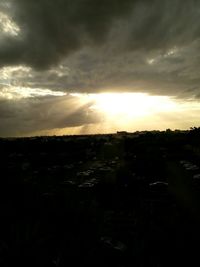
(130,105)
(17,92)
(133,111)
(127,105)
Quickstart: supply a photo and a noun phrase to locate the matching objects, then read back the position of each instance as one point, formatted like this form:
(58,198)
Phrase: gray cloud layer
(52,29)
(106,44)
(25,116)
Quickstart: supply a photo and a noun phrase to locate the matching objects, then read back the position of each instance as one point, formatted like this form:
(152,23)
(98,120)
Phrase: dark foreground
(110,200)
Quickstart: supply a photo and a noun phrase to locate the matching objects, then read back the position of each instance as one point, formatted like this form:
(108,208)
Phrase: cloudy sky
(97,66)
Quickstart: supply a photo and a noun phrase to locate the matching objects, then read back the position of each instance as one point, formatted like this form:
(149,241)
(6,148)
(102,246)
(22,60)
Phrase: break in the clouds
(49,49)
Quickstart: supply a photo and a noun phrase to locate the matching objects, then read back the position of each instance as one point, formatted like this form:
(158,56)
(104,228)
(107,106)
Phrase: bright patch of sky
(170,53)
(15,92)
(7,25)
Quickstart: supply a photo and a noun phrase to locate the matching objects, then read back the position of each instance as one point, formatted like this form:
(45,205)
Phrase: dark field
(106,200)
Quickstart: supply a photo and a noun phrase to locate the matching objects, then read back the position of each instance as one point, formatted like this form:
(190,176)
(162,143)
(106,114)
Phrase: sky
(98,66)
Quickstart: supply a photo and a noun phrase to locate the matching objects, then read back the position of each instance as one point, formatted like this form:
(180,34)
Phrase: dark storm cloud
(51,30)
(176,74)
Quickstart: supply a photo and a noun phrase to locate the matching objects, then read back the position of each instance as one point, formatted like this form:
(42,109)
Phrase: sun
(128,111)
(130,105)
